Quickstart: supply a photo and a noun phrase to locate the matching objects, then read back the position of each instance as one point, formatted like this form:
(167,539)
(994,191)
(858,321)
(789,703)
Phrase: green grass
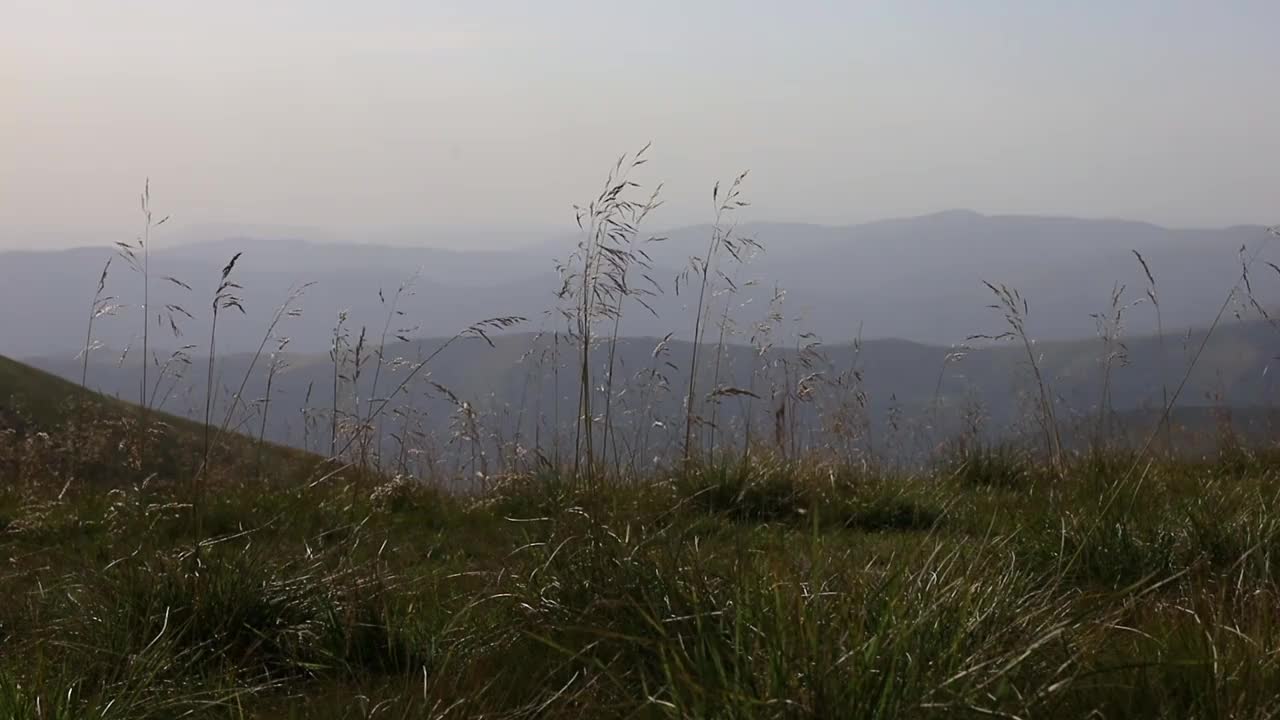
(984,587)
(93,439)
(26,391)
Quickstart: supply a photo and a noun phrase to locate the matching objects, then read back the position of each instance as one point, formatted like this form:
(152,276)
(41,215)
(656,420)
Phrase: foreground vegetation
(768,563)
(984,586)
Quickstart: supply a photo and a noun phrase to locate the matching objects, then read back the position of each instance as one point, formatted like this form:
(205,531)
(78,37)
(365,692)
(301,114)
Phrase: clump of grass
(893,510)
(1117,550)
(988,465)
(1200,656)
(1202,529)
(537,494)
(53,701)
(746,491)
(707,634)
(244,614)
(758,490)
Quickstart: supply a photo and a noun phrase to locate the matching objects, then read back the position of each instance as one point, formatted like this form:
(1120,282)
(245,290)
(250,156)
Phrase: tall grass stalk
(359,427)
(1154,297)
(138,256)
(287,309)
(394,313)
(1015,309)
(275,365)
(224,297)
(723,239)
(595,282)
(632,257)
(1110,327)
(336,358)
(101,306)
(480,330)
(1246,263)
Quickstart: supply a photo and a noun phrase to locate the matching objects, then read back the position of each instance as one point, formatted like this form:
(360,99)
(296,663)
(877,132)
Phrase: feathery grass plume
(1015,310)
(465,426)
(726,326)
(276,364)
(763,337)
(845,410)
(532,361)
(1110,328)
(287,309)
(172,317)
(596,280)
(103,305)
(810,377)
(724,239)
(400,333)
(480,330)
(308,417)
(341,339)
(225,297)
(635,260)
(1246,261)
(1132,481)
(654,384)
(1154,297)
(955,355)
(411,417)
(555,403)
(138,256)
(174,367)
(359,430)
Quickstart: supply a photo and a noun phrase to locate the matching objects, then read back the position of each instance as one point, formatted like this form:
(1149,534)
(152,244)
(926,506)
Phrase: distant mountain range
(918,279)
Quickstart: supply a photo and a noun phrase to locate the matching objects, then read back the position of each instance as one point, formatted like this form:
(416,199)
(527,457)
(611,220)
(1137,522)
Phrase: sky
(358,118)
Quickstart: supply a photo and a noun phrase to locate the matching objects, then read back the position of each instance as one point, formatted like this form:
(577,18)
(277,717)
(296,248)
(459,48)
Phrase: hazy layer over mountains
(918,279)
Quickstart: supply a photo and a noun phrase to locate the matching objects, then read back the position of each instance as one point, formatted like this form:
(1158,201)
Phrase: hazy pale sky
(361,115)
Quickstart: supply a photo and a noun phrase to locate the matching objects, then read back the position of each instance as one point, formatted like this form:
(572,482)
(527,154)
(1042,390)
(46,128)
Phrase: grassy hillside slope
(35,394)
(989,585)
(67,433)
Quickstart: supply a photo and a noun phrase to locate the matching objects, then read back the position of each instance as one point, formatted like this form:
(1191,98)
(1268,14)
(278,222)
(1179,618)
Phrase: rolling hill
(79,433)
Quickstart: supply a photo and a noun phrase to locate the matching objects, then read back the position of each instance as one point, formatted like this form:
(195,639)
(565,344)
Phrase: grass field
(984,586)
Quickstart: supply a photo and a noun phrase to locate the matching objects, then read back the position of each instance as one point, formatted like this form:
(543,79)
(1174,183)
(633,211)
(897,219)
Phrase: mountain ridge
(917,278)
